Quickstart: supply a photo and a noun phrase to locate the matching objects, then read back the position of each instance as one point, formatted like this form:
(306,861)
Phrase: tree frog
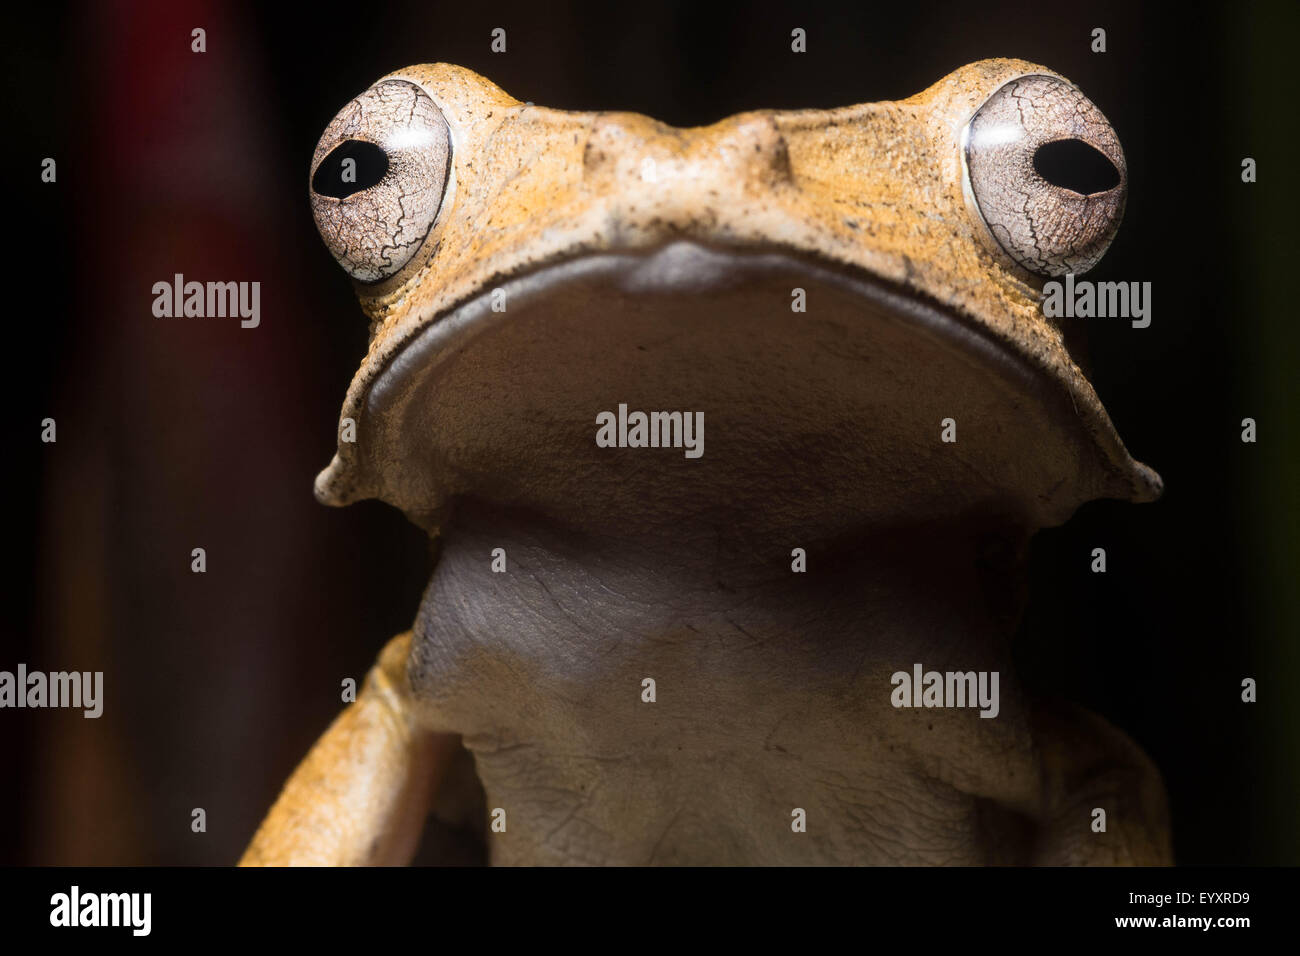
(730,441)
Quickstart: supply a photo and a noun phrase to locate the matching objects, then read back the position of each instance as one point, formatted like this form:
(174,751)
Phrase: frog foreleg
(363,792)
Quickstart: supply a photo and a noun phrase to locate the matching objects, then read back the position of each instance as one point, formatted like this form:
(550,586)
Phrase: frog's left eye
(1045,173)
(378,177)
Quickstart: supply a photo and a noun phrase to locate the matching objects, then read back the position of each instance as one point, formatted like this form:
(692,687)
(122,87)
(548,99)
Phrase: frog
(653,652)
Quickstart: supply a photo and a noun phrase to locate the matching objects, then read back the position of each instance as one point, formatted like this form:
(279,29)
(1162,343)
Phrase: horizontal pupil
(1075,165)
(352,166)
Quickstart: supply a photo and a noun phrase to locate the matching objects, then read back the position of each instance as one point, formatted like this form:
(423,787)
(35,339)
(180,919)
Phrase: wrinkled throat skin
(772,690)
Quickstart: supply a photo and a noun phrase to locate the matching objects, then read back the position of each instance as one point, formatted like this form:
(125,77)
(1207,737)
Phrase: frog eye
(1045,174)
(377,178)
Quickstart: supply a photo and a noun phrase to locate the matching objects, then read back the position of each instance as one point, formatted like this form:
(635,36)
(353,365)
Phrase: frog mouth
(872,399)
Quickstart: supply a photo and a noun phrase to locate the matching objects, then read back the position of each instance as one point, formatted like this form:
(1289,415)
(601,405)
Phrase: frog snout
(680,176)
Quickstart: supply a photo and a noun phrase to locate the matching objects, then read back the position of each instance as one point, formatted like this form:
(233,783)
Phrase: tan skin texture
(878,190)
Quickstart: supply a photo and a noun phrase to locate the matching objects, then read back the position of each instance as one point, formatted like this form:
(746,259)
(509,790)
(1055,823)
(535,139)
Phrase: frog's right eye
(378,177)
(1045,174)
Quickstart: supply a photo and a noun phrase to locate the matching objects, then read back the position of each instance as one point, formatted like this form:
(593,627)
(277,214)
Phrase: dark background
(175,435)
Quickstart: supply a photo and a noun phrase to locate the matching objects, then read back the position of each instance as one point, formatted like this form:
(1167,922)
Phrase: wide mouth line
(681,267)
(661,270)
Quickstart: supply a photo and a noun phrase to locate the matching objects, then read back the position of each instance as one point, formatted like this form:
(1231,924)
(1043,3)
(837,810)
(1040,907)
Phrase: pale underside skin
(773,688)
